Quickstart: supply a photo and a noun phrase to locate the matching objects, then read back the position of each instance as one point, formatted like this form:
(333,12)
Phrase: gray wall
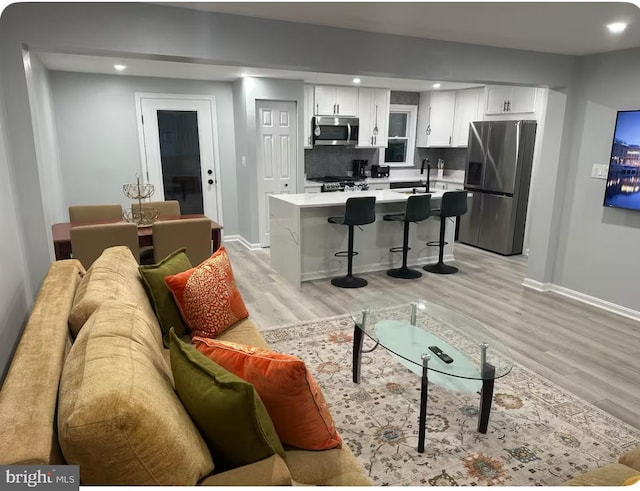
(598,247)
(246,92)
(98,135)
(15,297)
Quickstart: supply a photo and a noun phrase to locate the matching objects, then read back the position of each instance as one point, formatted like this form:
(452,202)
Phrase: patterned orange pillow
(207,296)
(290,393)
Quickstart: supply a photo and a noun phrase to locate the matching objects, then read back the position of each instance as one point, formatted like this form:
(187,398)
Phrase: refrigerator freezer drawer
(497,225)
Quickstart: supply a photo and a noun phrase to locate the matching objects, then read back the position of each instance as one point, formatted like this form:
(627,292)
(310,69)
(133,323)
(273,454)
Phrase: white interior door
(179,149)
(276,156)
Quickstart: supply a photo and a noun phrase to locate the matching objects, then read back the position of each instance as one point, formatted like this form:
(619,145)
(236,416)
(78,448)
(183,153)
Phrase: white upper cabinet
(468,108)
(435,119)
(373,115)
(501,99)
(336,101)
(308,114)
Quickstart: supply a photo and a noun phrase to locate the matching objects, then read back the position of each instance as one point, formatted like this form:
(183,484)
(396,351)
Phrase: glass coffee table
(440,345)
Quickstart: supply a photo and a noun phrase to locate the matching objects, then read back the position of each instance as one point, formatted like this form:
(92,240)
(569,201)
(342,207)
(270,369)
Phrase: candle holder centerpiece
(143,216)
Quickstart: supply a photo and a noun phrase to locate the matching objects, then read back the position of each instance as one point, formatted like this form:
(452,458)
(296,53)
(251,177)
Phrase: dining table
(61,233)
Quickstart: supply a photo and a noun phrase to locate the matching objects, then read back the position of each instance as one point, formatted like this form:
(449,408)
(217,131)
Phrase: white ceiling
(572,28)
(169,69)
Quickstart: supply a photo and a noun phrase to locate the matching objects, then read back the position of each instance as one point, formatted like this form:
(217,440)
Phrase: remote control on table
(440,354)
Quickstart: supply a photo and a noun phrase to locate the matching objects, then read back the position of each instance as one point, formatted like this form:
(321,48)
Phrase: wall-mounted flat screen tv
(623,182)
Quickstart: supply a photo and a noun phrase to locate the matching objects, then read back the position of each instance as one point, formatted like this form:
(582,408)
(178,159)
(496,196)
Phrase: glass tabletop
(410,327)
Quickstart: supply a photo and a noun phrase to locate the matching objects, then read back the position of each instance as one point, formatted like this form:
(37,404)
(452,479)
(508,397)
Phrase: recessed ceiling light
(436,86)
(244,75)
(616,27)
(356,80)
(119,67)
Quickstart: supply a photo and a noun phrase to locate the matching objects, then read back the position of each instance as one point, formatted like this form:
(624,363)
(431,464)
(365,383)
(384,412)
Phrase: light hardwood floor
(587,351)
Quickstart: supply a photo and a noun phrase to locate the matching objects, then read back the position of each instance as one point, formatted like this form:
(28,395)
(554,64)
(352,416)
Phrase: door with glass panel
(178,143)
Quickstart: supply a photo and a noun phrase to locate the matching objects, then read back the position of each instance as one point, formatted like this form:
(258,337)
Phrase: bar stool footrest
(435,243)
(345,254)
(399,249)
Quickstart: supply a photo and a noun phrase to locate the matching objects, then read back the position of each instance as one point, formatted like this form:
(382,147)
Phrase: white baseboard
(243,241)
(537,285)
(583,297)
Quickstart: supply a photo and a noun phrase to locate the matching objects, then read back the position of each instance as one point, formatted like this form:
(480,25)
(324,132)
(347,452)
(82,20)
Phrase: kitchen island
(303,243)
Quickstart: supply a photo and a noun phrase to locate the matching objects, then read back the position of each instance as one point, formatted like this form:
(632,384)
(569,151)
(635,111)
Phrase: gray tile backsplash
(335,161)
(338,161)
(454,158)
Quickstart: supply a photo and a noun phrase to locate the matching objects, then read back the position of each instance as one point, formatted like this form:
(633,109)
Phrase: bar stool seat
(358,211)
(453,204)
(418,208)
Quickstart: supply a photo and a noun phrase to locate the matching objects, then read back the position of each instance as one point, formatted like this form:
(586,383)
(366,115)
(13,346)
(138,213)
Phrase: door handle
(286,185)
(334,109)
(210,181)
(509,106)
(338,108)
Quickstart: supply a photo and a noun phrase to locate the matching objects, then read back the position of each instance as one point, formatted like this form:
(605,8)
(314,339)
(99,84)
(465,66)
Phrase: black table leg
(424,390)
(486,396)
(358,337)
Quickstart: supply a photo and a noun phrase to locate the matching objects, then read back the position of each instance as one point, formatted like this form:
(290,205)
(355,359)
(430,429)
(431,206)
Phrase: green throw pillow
(161,298)
(226,409)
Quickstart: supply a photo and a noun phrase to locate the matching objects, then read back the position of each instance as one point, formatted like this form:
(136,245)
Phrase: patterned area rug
(538,433)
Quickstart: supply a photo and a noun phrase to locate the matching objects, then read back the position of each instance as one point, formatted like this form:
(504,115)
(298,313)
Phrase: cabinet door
(308,114)
(379,186)
(365,131)
(423,127)
(381,101)
(346,101)
(496,98)
(325,100)
(523,100)
(466,111)
(442,110)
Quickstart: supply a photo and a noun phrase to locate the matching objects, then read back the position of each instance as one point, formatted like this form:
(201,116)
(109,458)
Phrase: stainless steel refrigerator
(498,172)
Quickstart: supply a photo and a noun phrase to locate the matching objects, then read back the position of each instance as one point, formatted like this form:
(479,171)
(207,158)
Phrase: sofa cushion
(119,418)
(245,332)
(207,296)
(335,467)
(113,276)
(631,458)
(226,409)
(289,392)
(162,300)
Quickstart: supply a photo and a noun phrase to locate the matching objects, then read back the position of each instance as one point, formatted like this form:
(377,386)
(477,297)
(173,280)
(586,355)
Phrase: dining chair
(192,233)
(94,213)
(165,208)
(88,241)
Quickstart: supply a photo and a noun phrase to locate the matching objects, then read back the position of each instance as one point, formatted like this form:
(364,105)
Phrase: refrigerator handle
(518,134)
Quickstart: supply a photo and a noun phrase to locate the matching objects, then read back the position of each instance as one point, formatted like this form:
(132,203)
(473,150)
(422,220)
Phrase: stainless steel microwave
(332,130)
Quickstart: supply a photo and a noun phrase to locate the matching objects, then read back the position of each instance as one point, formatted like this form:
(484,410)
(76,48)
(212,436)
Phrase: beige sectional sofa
(90,384)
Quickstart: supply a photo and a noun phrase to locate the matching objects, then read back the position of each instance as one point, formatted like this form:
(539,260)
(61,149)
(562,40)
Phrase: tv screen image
(623,181)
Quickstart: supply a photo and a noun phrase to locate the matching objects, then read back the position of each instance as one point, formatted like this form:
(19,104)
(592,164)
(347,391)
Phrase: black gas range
(339,183)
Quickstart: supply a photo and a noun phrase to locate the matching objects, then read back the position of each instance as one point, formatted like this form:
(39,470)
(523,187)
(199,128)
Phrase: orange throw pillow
(207,296)
(290,393)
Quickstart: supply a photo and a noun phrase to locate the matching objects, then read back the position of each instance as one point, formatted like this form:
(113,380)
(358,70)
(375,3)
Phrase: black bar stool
(358,211)
(453,204)
(418,209)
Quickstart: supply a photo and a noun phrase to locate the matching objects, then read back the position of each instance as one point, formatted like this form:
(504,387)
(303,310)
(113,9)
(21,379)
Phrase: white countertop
(340,198)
